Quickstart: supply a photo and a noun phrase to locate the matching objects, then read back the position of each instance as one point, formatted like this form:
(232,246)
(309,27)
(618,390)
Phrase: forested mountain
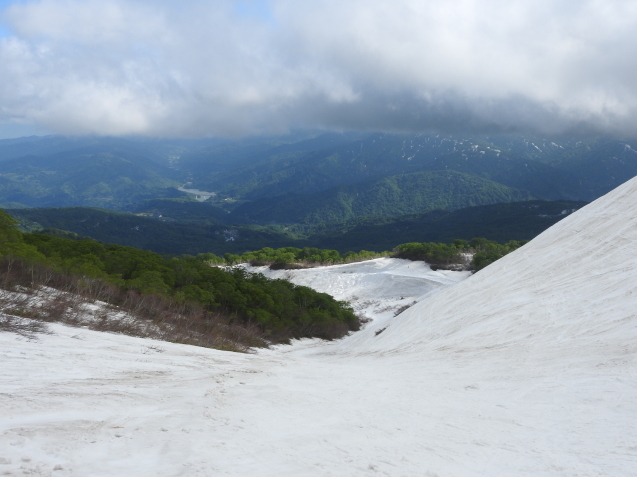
(98,171)
(107,179)
(381,155)
(390,196)
(499,222)
(209,165)
(170,237)
(182,210)
(570,169)
(600,166)
(44,146)
(303,179)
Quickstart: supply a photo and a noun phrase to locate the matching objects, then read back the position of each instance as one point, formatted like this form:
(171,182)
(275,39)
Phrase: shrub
(437,254)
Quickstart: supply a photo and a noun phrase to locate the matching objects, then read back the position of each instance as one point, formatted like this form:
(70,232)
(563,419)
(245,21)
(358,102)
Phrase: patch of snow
(375,288)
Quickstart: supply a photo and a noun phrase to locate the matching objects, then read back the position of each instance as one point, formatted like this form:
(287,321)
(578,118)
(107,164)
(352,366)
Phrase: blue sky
(259,9)
(4,29)
(5,3)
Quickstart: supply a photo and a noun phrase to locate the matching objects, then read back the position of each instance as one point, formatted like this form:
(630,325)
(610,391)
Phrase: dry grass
(24,327)
(32,292)
(404,307)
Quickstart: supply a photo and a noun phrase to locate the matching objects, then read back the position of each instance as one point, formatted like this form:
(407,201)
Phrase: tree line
(279,309)
(439,255)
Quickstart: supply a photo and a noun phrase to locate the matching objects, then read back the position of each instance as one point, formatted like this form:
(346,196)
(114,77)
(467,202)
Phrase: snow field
(377,289)
(92,403)
(526,368)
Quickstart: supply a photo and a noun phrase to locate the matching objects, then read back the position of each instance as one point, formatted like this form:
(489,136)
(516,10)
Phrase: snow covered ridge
(526,368)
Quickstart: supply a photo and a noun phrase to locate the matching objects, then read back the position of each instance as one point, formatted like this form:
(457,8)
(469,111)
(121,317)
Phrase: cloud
(232,68)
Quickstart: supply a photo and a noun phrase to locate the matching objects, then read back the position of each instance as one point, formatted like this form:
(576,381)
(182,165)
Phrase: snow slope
(572,288)
(527,368)
(376,289)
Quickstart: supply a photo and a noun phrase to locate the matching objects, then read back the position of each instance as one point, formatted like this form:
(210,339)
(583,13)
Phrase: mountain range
(292,188)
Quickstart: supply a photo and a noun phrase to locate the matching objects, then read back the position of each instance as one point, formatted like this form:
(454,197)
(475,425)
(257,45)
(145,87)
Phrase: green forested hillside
(362,160)
(111,180)
(46,146)
(382,155)
(498,222)
(182,210)
(272,309)
(391,196)
(297,184)
(549,169)
(148,233)
(210,165)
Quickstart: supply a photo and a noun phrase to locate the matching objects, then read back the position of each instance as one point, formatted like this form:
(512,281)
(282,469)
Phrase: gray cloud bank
(211,68)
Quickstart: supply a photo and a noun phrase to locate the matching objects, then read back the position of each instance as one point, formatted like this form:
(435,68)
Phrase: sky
(232,68)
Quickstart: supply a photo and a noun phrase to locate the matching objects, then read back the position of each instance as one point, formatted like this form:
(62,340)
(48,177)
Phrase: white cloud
(207,68)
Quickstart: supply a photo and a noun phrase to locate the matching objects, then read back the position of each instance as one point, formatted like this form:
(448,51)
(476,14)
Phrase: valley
(511,371)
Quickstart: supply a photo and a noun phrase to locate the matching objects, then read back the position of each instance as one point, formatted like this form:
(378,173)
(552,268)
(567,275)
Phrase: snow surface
(376,289)
(526,368)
